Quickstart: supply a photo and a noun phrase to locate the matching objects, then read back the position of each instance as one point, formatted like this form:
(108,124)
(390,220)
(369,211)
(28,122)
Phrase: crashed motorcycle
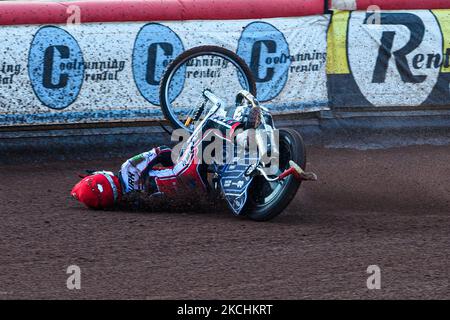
(259,169)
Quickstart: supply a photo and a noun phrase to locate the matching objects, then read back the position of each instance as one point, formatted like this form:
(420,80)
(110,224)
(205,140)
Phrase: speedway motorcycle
(258,182)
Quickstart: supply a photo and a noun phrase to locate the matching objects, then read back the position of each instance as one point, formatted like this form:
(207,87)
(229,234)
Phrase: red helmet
(98,191)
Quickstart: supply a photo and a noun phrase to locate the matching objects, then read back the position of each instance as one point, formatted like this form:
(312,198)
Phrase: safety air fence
(101,61)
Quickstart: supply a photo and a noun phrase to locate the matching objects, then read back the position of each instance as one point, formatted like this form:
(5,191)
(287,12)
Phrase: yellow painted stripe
(443,17)
(337,62)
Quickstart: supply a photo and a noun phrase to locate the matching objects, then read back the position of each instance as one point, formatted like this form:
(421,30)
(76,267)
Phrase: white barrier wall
(111,71)
(97,72)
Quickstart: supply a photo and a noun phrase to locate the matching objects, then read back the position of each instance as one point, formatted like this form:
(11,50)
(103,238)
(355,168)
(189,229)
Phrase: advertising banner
(103,72)
(389,58)
(51,74)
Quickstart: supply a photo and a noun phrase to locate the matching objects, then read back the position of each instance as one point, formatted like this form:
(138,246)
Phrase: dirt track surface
(390,208)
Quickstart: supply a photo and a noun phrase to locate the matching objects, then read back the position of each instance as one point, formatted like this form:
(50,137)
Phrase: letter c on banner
(266,51)
(52,50)
(155,47)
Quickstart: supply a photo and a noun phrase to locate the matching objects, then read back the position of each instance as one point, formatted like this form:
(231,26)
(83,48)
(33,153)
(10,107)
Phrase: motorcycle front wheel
(206,67)
(266,200)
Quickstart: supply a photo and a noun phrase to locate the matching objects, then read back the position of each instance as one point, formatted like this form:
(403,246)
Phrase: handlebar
(212,97)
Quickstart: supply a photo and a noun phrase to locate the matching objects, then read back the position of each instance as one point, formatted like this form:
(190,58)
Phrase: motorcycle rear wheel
(264,201)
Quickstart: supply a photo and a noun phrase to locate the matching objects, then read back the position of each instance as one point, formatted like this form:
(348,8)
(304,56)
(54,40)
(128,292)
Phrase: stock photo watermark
(373,16)
(374,280)
(241,147)
(74,280)
(74,18)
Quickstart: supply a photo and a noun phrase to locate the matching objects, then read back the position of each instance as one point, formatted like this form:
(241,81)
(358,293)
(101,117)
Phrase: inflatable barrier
(14,13)
(388,4)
